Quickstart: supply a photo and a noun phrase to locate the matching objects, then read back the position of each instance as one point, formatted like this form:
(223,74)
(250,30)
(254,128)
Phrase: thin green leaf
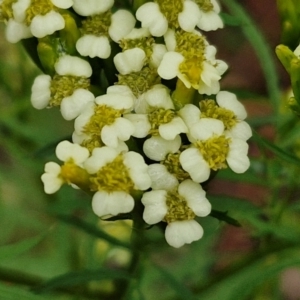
(240,281)
(82,277)
(230,20)
(263,51)
(222,216)
(181,291)
(275,149)
(13,250)
(92,230)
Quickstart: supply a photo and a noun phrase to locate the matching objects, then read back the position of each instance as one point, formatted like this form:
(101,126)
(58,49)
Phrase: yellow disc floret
(214,151)
(209,109)
(171,9)
(114,176)
(205,5)
(97,25)
(64,86)
(6,11)
(38,7)
(172,163)
(178,210)
(158,117)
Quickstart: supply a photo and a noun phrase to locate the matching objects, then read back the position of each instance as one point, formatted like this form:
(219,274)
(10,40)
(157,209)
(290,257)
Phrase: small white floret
(40,91)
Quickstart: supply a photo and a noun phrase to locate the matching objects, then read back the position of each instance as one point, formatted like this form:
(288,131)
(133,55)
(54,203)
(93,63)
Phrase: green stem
(182,95)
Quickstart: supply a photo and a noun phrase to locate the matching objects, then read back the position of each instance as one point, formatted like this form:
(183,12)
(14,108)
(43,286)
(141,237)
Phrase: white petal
(170,130)
(129,61)
(73,105)
(15,31)
(195,197)
(19,10)
(62,3)
(229,101)
(52,182)
(190,114)
(116,101)
(192,162)
(93,46)
(237,158)
(92,7)
(210,21)
(168,68)
(40,91)
(159,51)
(205,128)
(113,203)
(137,33)
(159,96)
(100,157)
(47,24)
(138,170)
(241,130)
(190,16)
(183,232)
(122,22)
(66,150)
(155,206)
(170,40)
(141,124)
(161,178)
(152,18)
(156,148)
(84,117)
(209,74)
(73,65)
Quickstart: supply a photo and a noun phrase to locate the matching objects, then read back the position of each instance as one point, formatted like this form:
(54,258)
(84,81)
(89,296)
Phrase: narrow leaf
(82,277)
(222,216)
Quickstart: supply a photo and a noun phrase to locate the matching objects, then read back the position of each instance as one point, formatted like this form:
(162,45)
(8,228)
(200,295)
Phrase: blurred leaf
(275,149)
(239,281)
(262,49)
(92,230)
(11,292)
(181,291)
(230,20)
(13,250)
(81,277)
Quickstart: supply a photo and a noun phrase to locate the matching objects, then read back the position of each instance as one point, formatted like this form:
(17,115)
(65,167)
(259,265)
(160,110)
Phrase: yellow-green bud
(285,55)
(295,78)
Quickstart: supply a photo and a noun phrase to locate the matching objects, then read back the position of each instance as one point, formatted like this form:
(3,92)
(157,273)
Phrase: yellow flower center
(6,11)
(38,7)
(97,25)
(64,86)
(140,82)
(171,9)
(114,176)
(214,151)
(144,43)
(158,117)
(192,69)
(205,5)
(209,109)
(174,167)
(178,209)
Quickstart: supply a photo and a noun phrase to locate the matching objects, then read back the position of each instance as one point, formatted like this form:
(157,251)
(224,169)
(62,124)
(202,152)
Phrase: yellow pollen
(158,117)
(171,9)
(114,176)
(144,43)
(214,151)
(178,209)
(210,109)
(97,25)
(38,7)
(6,11)
(205,5)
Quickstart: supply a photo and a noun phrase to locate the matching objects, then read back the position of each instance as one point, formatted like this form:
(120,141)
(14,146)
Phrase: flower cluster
(155,131)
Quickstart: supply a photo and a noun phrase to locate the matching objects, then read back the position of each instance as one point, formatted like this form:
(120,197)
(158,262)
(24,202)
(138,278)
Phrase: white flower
(66,152)
(156,148)
(15,31)
(106,113)
(178,209)
(152,18)
(98,43)
(212,149)
(161,178)
(91,7)
(40,91)
(73,65)
(73,105)
(119,174)
(210,20)
(131,60)
(190,16)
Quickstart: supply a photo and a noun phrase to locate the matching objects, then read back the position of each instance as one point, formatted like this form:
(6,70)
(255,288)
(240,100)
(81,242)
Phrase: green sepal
(48,54)
(289,12)
(295,78)
(70,33)
(285,55)
(294,105)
